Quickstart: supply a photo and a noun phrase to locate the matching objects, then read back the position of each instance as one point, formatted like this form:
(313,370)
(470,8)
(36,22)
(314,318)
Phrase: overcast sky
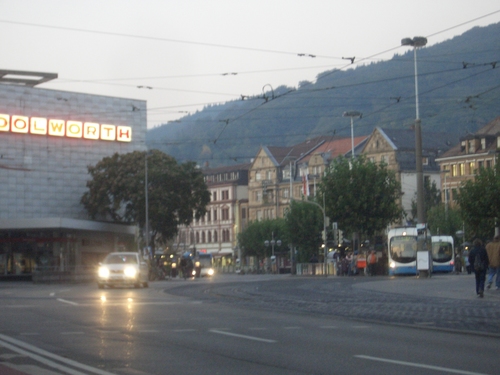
(185,52)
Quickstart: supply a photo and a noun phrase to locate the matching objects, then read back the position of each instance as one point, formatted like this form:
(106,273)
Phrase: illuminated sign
(62,128)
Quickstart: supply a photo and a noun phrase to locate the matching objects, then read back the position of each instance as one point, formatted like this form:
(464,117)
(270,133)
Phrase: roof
(335,147)
(25,78)
(404,140)
(491,130)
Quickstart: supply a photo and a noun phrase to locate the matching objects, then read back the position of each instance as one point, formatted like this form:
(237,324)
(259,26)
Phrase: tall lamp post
(273,242)
(352,115)
(416,42)
(147,204)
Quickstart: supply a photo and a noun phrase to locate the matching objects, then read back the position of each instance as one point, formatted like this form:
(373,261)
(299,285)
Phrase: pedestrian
(468,267)
(458,263)
(478,258)
(493,250)
(372,262)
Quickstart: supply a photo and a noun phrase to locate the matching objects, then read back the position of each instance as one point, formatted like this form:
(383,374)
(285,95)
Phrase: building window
(286,193)
(225,235)
(216,239)
(258,176)
(488,163)
(203,237)
(259,215)
(225,194)
(480,164)
(209,235)
(269,175)
(462,169)
(258,196)
(197,237)
(243,213)
(472,168)
(209,216)
(214,196)
(425,161)
(483,143)
(225,214)
(215,214)
(454,170)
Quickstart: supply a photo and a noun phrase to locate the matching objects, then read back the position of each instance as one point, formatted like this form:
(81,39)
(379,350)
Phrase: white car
(123,269)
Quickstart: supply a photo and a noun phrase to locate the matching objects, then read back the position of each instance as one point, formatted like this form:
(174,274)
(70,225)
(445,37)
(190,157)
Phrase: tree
(304,223)
(252,239)
(432,198)
(116,192)
(479,201)
(360,195)
(442,221)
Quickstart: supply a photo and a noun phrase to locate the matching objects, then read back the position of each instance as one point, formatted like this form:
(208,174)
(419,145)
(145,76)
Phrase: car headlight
(193,273)
(210,271)
(103,272)
(130,272)
(392,264)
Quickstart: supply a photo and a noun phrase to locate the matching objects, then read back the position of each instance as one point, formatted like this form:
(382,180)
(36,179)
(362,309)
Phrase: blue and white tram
(443,254)
(402,250)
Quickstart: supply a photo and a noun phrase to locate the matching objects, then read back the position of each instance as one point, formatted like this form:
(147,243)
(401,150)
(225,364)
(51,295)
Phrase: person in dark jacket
(478,250)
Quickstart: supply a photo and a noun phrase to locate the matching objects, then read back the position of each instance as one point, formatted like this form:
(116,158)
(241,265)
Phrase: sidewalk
(462,286)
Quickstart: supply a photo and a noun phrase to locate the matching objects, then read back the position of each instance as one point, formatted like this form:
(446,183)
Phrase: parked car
(125,269)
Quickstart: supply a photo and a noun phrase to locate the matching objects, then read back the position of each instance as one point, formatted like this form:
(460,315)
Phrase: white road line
(72,333)
(30,350)
(149,331)
(68,302)
(242,336)
(419,365)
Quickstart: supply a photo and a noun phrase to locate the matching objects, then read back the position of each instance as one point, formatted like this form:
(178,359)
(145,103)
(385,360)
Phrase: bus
(443,254)
(402,249)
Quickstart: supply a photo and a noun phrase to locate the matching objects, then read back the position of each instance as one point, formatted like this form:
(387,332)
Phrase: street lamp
(272,242)
(352,115)
(148,153)
(445,171)
(416,42)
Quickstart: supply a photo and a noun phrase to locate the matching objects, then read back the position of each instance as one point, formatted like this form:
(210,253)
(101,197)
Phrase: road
(263,324)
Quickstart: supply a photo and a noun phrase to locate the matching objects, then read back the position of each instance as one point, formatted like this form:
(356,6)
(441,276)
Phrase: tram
(402,249)
(443,254)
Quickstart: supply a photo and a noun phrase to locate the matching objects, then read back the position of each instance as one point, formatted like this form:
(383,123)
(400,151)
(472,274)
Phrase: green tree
(432,198)
(479,201)
(304,222)
(442,221)
(252,239)
(360,195)
(116,192)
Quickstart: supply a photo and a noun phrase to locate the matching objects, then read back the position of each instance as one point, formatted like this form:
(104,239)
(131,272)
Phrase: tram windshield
(403,249)
(442,251)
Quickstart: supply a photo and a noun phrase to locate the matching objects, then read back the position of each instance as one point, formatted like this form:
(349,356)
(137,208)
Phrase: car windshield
(120,258)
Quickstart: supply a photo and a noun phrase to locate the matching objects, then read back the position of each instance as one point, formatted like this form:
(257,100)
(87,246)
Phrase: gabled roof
(404,140)
(282,155)
(490,130)
(335,147)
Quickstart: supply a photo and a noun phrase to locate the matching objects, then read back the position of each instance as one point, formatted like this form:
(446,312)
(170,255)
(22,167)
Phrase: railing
(76,274)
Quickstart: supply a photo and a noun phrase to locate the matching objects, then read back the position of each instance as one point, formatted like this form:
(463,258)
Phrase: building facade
(48,138)
(227,216)
(396,148)
(460,163)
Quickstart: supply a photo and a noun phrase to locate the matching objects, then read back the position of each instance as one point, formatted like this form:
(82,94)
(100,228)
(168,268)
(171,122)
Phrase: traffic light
(341,237)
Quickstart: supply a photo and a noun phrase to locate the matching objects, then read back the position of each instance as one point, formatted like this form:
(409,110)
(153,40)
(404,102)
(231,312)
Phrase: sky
(180,56)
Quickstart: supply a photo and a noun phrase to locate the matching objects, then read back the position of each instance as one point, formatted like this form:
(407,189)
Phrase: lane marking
(419,365)
(68,302)
(16,345)
(72,333)
(242,336)
(149,331)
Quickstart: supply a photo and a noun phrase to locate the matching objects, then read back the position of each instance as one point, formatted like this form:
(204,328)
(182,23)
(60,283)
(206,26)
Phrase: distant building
(48,138)
(227,215)
(279,174)
(461,162)
(396,148)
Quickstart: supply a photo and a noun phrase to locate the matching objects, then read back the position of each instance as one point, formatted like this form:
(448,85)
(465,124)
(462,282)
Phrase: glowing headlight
(130,271)
(103,272)
(392,264)
(193,273)
(210,271)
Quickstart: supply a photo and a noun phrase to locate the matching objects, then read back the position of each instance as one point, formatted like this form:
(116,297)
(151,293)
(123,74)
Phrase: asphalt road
(263,324)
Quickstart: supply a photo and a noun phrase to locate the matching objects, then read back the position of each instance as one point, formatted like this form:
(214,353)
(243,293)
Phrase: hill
(459,92)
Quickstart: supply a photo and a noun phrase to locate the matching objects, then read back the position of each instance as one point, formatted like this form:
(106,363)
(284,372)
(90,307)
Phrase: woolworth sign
(65,128)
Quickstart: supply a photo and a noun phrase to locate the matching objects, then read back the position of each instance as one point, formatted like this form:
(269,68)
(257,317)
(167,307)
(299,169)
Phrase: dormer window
(483,143)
